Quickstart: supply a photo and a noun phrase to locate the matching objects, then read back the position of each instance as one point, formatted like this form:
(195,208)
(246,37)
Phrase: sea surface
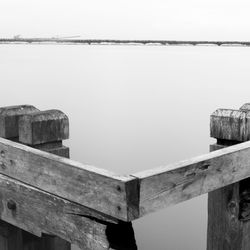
(133,108)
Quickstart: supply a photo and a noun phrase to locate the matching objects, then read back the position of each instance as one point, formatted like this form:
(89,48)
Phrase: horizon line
(123,42)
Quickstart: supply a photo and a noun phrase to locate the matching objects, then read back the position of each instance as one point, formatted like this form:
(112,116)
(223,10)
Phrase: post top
(17,110)
(52,114)
(43,127)
(231,124)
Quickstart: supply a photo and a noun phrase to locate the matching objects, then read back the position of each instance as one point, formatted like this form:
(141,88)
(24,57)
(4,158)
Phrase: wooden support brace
(229,207)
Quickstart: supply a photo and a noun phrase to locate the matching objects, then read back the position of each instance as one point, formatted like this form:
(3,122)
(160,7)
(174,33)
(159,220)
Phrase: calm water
(134,108)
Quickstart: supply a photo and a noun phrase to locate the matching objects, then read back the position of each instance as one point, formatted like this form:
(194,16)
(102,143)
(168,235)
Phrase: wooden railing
(49,202)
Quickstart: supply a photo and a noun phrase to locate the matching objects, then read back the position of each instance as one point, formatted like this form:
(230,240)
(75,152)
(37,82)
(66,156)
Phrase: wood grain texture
(9,122)
(228,207)
(224,229)
(9,117)
(96,188)
(44,126)
(39,212)
(46,241)
(178,182)
(230,124)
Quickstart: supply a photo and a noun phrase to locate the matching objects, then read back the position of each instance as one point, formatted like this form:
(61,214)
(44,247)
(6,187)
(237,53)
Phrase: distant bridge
(18,40)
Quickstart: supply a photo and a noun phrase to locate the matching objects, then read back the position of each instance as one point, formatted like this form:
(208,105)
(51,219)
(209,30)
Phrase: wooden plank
(37,211)
(43,126)
(50,121)
(230,124)
(9,117)
(96,188)
(169,185)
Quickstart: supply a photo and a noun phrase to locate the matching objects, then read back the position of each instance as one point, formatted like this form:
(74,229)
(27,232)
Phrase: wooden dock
(49,202)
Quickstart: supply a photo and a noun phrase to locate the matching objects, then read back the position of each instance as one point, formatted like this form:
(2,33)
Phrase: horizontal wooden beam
(169,185)
(101,190)
(124,197)
(38,212)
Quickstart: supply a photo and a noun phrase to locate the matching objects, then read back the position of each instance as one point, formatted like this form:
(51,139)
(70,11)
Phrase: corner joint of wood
(132,198)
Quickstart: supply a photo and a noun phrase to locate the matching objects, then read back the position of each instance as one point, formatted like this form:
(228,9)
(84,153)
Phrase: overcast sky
(127,19)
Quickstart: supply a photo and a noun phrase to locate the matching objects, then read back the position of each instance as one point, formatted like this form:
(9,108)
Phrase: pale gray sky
(127,19)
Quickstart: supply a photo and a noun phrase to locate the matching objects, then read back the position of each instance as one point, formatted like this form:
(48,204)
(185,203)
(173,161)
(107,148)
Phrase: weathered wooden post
(10,236)
(229,207)
(43,130)
(35,215)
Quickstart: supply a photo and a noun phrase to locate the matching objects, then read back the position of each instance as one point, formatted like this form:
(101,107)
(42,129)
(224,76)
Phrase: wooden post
(11,236)
(45,131)
(229,207)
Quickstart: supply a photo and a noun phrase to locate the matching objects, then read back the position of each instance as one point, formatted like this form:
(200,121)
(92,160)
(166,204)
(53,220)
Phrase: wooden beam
(95,188)
(42,215)
(169,185)
(38,212)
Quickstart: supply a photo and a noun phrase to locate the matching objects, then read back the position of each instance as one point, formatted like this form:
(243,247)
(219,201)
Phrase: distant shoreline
(121,42)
